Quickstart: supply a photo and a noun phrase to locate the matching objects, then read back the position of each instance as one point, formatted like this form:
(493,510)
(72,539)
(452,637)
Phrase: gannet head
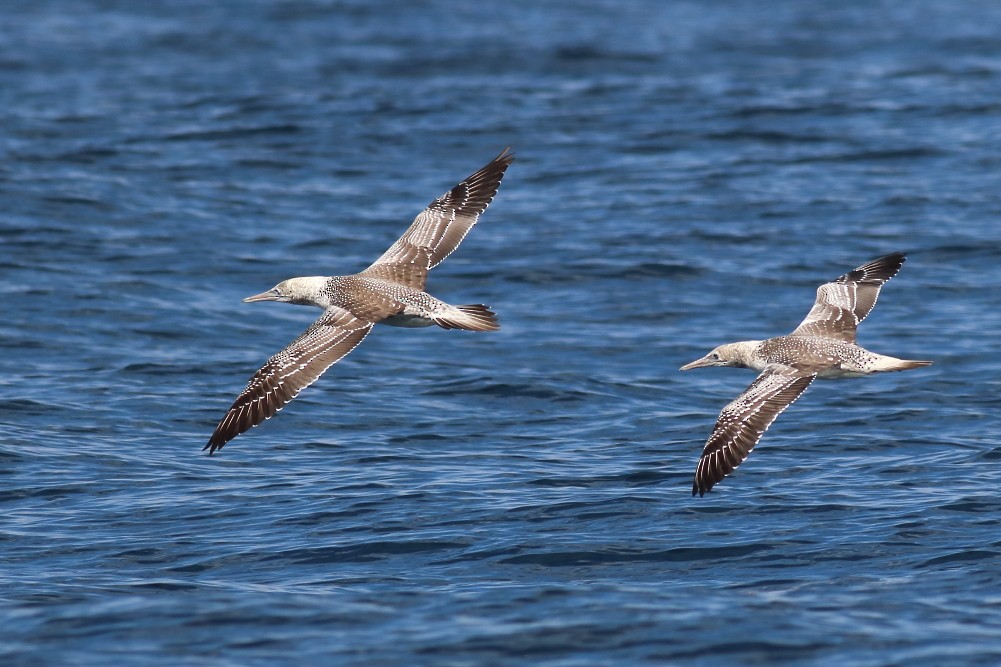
(731,354)
(305,291)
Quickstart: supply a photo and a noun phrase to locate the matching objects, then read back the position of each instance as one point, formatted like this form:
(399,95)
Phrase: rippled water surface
(687,174)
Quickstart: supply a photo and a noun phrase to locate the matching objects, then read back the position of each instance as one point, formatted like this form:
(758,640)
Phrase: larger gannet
(822,346)
(391,291)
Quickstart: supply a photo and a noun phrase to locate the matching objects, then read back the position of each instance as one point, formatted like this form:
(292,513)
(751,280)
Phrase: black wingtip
(878,270)
(496,167)
(506,156)
(892,259)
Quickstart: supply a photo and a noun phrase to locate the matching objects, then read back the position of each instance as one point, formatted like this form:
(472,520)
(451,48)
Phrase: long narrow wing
(842,304)
(284,375)
(440,228)
(741,424)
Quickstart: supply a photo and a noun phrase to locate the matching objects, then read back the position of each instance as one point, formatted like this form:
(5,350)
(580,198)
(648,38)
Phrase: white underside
(837,373)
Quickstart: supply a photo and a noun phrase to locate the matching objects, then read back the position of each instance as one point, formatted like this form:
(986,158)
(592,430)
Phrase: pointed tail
(476,317)
(890,364)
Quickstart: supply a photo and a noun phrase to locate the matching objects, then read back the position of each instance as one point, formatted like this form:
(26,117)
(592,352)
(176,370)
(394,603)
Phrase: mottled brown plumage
(822,346)
(391,291)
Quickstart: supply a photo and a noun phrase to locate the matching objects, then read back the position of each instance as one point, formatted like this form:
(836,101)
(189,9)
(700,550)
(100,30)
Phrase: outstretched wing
(742,422)
(842,304)
(284,375)
(440,228)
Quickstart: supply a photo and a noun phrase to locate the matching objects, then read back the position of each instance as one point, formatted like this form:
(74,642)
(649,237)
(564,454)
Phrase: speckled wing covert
(842,304)
(440,228)
(284,375)
(741,424)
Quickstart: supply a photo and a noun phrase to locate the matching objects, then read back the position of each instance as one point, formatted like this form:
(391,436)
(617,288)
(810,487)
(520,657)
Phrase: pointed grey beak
(698,363)
(270,295)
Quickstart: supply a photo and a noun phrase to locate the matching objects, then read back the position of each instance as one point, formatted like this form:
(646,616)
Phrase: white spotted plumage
(390,291)
(822,346)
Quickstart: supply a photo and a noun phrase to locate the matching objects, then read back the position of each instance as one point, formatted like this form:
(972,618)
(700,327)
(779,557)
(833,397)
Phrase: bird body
(822,346)
(380,300)
(829,359)
(390,291)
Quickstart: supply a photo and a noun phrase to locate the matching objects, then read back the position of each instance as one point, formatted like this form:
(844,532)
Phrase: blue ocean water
(687,174)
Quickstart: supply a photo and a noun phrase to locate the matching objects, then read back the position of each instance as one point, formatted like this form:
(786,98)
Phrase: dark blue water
(687,174)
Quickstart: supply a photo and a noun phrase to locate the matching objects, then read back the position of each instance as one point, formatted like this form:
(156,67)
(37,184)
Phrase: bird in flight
(390,291)
(822,346)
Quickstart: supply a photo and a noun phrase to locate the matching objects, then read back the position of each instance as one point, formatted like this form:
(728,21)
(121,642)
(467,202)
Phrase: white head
(732,354)
(302,291)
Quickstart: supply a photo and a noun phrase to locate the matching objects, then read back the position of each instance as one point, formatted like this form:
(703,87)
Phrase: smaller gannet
(822,346)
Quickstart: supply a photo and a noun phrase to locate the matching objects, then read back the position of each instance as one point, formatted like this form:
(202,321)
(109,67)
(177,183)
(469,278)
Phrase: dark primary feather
(842,304)
(284,375)
(741,424)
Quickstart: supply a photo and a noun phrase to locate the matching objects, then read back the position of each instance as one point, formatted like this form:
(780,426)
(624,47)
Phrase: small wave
(231,133)
(612,557)
(363,553)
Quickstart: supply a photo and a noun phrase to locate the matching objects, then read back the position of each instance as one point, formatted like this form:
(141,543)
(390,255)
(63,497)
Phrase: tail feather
(901,365)
(476,317)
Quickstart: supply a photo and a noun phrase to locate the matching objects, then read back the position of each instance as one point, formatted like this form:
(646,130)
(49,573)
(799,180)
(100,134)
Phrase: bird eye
(715,356)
